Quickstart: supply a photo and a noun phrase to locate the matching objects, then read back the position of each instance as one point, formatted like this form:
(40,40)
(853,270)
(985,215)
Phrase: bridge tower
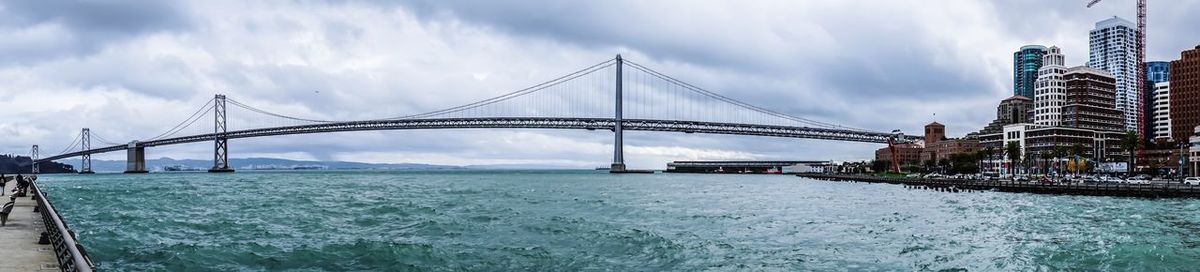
(220,137)
(618,164)
(33,156)
(85,144)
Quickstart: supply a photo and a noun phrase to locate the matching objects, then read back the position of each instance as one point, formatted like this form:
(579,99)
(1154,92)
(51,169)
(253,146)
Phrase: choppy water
(584,220)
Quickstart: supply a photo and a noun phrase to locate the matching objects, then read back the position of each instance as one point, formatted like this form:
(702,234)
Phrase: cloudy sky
(133,69)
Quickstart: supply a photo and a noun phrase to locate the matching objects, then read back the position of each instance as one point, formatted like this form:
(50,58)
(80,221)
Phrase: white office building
(1162,110)
(1050,92)
(1194,152)
(1112,48)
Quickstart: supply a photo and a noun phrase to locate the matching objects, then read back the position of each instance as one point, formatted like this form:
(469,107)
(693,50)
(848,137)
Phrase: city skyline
(323,64)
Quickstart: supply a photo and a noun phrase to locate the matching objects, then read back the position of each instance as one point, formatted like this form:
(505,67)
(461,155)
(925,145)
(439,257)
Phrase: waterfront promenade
(19,250)
(1094,189)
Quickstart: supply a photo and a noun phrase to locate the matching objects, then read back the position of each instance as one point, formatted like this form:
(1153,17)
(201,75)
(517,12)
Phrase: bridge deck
(19,250)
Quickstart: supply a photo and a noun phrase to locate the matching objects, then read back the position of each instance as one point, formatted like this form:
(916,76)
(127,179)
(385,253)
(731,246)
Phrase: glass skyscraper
(1156,72)
(1026,63)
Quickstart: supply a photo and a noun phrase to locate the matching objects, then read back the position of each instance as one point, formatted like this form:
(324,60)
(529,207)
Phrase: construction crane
(892,148)
(1140,47)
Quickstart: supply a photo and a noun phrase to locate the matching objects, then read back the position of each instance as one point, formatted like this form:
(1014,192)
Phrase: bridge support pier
(135,159)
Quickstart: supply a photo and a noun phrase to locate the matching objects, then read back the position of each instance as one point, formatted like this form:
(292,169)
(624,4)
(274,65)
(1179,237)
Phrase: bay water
(592,220)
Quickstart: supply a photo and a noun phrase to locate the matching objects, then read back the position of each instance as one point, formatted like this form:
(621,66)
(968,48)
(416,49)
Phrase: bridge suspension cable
(733,101)
(251,108)
(525,92)
(202,111)
(74,143)
(102,140)
(515,94)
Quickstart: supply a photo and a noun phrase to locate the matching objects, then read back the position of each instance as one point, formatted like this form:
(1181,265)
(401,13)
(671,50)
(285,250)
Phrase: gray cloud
(131,69)
(77,27)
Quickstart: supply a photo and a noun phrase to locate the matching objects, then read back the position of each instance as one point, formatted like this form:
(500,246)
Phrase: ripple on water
(585,220)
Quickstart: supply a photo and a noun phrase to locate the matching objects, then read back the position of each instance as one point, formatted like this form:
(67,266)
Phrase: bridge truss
(604,96)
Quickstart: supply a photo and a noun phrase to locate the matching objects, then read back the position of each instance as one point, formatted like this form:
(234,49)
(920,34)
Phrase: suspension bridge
(614,95)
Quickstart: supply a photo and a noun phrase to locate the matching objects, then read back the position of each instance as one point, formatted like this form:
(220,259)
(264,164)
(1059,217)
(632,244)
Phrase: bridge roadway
(524,122)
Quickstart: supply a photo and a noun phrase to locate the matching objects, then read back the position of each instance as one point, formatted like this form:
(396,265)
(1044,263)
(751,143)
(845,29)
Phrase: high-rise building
(1112,48)
(1090,95)
(1185,94)
(1050,92)
(1156,72)
(1162,111)
(1012,110)
(1026,63)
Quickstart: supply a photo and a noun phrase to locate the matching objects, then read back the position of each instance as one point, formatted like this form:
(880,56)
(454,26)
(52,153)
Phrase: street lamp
(1182,159)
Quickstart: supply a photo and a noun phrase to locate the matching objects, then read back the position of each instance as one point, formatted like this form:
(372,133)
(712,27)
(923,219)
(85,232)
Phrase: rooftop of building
(935,123)
(1033,46)
(1114,21)
(1018,97)
(1090,70)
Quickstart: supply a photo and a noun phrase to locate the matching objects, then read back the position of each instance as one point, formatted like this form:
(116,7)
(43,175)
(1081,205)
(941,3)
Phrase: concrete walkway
(19,250)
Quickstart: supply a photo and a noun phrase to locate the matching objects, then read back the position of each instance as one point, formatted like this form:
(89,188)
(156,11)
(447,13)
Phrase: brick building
(1091,100)
(1185,95)
(907,154)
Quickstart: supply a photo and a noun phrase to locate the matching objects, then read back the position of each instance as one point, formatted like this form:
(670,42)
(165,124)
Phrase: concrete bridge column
(135,160)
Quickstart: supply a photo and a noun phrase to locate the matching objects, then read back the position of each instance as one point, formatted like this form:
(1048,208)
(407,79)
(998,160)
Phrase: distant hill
(10,164)
(262,164)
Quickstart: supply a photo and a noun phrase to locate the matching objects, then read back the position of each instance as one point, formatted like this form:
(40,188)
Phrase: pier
(1092,189)
(19,248)
(36,238)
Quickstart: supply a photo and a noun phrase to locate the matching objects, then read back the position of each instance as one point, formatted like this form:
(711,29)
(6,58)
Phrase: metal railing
(70,254)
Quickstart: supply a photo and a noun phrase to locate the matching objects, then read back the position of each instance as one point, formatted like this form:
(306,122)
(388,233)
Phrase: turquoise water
(585,220)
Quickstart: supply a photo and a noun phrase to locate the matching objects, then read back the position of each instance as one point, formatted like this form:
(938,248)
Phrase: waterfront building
(1156,72)
(747,167)
(1050,90)
(1089,100)
(1012,110)
(934,132)
(1112,49)
(1162,112)
(906,154)
(1185,94)
(935,147)
(1035,140)
(1026,63)
(1194,152)
(938,147)
(815,167)
(942,150)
